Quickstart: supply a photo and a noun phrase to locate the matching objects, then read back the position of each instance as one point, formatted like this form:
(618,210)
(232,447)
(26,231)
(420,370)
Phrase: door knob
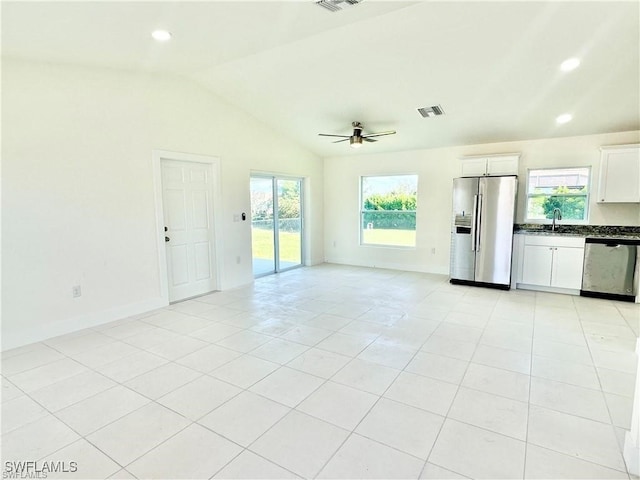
(166,239)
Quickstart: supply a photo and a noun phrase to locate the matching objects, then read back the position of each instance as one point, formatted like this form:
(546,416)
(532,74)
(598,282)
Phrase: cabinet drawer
(554,241)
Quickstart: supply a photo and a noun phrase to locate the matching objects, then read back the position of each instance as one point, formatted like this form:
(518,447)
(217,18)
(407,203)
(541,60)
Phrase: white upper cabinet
(474,167)
(503,165)
(491,165)
(619,180)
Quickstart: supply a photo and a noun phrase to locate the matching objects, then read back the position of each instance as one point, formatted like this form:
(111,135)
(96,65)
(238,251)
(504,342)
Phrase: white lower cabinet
(567,267)
(536,268)
(552,262)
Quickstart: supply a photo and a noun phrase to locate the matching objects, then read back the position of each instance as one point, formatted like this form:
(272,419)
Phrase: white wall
(436,169)
(78,203)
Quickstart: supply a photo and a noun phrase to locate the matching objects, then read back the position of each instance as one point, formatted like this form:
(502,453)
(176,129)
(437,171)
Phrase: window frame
(362,211)
(548,221)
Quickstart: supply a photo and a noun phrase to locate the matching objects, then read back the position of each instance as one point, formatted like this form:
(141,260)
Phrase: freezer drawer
(610,268)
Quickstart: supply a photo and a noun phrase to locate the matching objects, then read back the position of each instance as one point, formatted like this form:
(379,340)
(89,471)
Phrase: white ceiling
(492,66)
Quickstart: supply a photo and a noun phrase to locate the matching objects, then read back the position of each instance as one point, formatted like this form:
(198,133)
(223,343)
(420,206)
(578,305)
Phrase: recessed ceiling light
(564,118)
(570,64)
(161,35)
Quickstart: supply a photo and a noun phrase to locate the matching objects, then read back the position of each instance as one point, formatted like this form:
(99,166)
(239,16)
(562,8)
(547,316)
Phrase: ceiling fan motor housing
(356,139)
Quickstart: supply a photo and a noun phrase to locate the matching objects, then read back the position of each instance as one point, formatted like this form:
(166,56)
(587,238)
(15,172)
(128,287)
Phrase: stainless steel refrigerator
(482,230)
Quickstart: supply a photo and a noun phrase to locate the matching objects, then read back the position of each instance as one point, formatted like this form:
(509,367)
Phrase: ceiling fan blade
(390,132)
(343,140)
(369,139)
(329,135)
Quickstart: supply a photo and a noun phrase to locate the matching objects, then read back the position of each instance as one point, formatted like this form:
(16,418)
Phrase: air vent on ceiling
(336,5)
(433,111)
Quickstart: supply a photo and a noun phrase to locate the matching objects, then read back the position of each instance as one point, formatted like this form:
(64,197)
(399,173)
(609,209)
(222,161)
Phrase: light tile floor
(333,372)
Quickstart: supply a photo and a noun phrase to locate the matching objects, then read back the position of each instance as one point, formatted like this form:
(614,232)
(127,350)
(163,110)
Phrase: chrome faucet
(556,214)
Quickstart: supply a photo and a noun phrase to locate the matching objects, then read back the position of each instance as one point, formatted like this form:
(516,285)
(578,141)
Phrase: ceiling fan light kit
(355,142)
(356,139)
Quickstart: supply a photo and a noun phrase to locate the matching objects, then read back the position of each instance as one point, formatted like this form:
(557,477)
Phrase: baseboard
(314,261)
(390,266)
(538,288)
(43,332)
(631,451)
(631,454)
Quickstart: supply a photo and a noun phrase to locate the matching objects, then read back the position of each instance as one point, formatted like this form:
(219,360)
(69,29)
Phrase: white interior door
(187,194)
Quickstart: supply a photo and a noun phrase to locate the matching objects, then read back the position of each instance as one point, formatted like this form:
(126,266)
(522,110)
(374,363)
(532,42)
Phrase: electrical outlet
(238,260)
(76,291)
(433,251)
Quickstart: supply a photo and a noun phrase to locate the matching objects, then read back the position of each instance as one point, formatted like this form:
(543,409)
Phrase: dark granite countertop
(605,231)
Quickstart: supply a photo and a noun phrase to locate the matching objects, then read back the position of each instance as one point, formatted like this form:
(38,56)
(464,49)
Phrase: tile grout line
(352,432)
(604,398)
(526,436)
(446,416)
(326,380)
(81,436)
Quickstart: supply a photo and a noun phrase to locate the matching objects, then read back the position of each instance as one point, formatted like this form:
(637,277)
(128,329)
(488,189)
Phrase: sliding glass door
(276,223)
(262,226)
(289,222)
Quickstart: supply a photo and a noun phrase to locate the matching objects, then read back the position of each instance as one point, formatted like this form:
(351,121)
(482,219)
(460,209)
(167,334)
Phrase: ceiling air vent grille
(336,5)
(433,111)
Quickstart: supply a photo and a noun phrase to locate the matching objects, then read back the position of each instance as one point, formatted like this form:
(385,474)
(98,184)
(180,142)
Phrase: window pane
(547,181)
(535,211)
(571,207)
(388,215)
(388,228)
(562,188)
(289,222)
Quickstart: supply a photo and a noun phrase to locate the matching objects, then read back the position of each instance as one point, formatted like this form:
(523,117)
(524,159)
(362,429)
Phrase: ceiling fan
(357,138)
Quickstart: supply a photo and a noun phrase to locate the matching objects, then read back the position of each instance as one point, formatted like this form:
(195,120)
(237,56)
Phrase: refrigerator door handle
(478,222)
(474,226)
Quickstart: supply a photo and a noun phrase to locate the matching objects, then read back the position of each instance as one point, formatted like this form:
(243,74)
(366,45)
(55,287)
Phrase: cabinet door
(536,265)
(567,267)
(620,176)
(503,165)
(474,167)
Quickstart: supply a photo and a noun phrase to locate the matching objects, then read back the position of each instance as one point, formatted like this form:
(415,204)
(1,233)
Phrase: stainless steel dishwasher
(611,268)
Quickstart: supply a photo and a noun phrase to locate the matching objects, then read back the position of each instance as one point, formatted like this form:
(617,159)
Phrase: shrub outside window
(563,188)
(388,210)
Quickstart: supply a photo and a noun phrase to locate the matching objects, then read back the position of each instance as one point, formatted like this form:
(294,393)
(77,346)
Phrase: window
(388,210)
(563,188)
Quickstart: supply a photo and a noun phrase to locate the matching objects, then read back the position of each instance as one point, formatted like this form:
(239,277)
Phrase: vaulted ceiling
(492,66)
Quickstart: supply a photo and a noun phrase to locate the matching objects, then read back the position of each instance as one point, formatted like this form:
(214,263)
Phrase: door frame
(214,162)
(276,241)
